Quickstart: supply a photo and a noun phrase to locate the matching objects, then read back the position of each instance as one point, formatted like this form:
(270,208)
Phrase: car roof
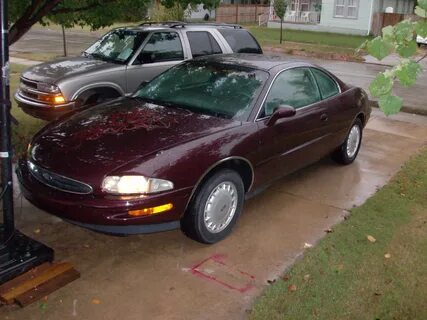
(253,60)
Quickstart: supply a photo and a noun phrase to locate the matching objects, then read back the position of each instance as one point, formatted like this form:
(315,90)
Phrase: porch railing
(307,17)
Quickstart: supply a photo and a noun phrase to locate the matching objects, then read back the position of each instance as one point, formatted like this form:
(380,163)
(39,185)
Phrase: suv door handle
(324,117)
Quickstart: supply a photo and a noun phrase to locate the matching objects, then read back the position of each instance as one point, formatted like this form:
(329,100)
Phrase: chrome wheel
(220,207)
(353,141)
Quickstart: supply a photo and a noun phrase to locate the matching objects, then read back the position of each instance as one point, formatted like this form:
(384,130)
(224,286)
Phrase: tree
(23,14)
(398,39)
(279,7)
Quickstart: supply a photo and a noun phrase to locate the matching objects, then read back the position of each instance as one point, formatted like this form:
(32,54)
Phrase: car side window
(162,46)
(295,87)
(202,43)
(328,86)
(240,40)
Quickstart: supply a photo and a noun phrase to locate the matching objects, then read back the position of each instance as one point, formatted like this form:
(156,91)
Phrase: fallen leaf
(307,245)
(292,288)
(306,277)
(371,239)
(96,301)
(36,231)
(377,293)
(387,256)
(285,277)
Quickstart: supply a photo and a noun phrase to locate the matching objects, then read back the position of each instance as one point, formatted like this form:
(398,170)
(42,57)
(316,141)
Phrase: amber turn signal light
(151,211)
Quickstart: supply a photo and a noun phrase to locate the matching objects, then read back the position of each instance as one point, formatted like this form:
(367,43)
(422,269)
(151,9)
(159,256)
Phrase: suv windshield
(117,46)
(220,90)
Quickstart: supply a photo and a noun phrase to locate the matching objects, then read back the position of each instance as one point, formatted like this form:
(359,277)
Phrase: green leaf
(381,85)
(421,28)
(404,31)
(388,32)
(407,73)
(390,104)
(408,49)
(423,4)
(380,48)
(421,12)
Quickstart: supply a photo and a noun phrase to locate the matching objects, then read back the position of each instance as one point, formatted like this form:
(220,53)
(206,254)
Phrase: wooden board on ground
(37,283)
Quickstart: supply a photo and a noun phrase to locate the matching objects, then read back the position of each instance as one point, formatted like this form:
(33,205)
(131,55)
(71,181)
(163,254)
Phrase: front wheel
(349,150)
(215,208)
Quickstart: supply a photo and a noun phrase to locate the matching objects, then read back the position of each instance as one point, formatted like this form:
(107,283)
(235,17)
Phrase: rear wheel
(215,208)
(349,150)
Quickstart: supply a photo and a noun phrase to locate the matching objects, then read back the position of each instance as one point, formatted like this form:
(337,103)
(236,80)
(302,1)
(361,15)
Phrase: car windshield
(226,91)
(117,46)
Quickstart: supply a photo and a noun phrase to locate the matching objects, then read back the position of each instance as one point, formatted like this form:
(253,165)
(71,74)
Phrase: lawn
(269,36)
(348,276)
(28,126)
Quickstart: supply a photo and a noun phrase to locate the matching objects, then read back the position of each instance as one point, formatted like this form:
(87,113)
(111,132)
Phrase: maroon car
(187,148)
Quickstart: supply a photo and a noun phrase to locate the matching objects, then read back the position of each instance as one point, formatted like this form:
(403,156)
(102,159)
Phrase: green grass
(270,36)
(28,126)
(349,277)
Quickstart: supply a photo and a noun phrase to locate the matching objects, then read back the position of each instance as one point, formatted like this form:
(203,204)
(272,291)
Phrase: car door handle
(324,117)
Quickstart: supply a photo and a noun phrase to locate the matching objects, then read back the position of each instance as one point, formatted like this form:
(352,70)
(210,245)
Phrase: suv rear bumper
(42,110)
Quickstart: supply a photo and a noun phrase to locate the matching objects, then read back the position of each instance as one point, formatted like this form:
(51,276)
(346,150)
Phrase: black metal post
(18,253)
(5,147)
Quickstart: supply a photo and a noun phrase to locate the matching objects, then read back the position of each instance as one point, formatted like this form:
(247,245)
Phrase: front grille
(29,83)
(57,181)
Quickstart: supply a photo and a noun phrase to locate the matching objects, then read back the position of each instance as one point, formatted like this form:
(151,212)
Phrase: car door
(161,51)
(294,142)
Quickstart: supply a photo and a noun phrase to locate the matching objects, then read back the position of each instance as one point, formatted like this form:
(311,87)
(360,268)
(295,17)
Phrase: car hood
(90,144)
(52,72)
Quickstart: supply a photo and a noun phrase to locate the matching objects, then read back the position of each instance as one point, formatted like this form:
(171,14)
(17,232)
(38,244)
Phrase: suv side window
(328,87)
(162,46)
(240,40)
(295,87)
(202,43)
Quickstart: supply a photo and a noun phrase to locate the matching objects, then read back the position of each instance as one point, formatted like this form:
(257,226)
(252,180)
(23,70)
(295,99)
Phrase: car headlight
(135,185)
(47,87)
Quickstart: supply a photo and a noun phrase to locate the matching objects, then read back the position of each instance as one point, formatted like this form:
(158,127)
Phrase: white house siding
(360,26)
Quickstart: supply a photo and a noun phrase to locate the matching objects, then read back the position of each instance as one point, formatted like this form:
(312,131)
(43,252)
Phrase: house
(339,16)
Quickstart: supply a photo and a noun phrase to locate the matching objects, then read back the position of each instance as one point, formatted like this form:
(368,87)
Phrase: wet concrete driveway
(167,276)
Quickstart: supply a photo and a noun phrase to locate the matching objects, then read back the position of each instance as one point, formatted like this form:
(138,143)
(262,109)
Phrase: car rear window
(241,41)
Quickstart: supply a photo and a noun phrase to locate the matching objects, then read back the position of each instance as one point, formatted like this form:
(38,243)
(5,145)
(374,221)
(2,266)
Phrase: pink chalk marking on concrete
(219,259)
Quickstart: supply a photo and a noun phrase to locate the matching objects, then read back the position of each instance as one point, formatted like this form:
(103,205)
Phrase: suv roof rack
(181,24)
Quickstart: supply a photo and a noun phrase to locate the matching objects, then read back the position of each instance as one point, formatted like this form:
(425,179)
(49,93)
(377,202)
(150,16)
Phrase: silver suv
(121,61)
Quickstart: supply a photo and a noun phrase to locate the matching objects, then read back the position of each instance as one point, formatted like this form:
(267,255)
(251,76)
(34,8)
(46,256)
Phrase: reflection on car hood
(51,72)
(94,142)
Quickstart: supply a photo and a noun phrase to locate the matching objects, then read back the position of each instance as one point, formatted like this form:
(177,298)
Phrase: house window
(346,9)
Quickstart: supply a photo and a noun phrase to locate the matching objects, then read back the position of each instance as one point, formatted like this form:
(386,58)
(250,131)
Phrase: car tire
(215,207)
(349,150)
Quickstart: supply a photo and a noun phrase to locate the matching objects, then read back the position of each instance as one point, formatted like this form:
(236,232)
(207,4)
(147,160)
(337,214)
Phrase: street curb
(405,109)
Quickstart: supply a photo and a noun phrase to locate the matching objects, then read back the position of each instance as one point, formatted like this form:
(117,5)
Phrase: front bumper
(42,110)
(102,212)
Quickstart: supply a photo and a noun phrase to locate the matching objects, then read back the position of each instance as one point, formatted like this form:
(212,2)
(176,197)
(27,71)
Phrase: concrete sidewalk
(167,276)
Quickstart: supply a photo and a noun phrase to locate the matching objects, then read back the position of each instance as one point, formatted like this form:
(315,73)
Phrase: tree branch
(74,10)
(33,14)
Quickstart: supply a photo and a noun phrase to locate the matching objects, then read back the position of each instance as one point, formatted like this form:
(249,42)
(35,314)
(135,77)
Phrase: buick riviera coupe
(187,148)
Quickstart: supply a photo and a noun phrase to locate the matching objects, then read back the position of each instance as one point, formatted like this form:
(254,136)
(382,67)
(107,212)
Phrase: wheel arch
(239,164)
(99,87)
